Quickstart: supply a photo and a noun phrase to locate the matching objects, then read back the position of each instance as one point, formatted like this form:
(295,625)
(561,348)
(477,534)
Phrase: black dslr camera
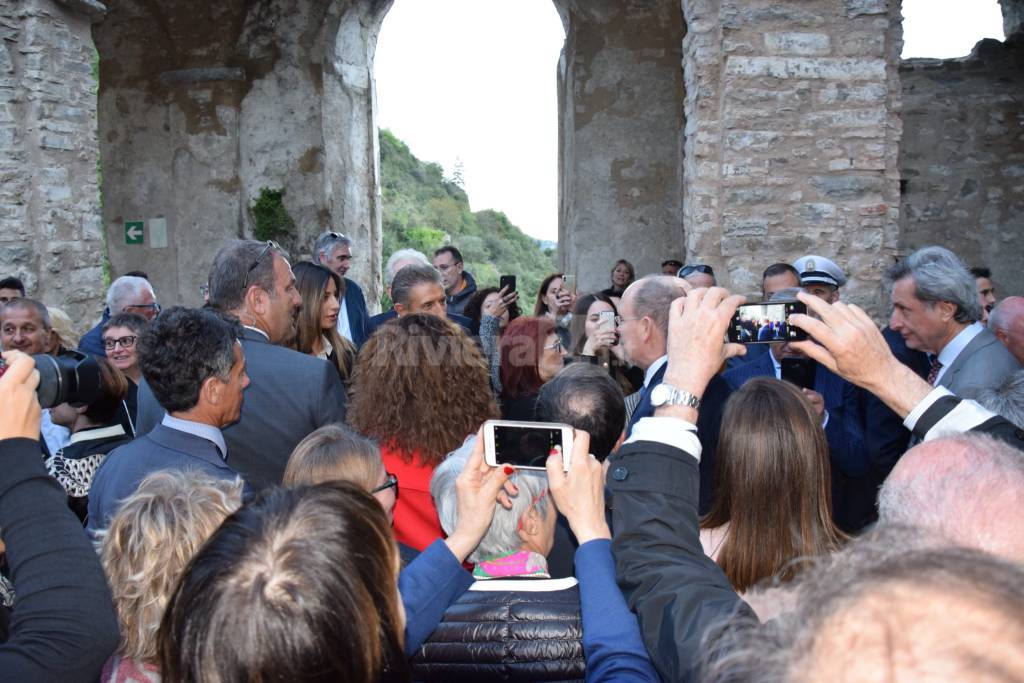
(72,378)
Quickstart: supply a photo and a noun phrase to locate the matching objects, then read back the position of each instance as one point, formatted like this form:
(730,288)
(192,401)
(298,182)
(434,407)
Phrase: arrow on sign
(133,233)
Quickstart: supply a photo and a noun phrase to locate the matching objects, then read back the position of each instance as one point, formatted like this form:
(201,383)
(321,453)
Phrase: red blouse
(416,522)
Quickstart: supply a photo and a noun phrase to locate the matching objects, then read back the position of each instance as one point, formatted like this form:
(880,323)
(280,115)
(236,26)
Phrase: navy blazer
(845,431)
(358,316)
(92,341)
(387,316)
(290,394)
(163,448)
(644,407)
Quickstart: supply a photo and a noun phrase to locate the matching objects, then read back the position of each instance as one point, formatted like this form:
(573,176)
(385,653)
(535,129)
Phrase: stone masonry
(962,158)
(791,137)
(49,194)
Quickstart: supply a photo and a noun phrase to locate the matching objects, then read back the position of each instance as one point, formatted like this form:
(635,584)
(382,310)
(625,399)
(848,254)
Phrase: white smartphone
(526,445)
(606,321)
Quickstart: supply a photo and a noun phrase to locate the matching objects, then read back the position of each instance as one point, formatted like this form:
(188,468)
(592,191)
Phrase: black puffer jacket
(507,635)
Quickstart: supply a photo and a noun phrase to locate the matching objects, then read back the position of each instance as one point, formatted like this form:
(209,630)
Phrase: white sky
(476,80)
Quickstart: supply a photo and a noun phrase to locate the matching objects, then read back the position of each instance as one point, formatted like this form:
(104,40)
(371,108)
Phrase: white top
(949,352)
(344,326)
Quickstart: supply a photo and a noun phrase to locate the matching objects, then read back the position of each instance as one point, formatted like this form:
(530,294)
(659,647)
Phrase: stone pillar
(1013,16)
(620,137)
(792,137)
(962,158)
(49,195)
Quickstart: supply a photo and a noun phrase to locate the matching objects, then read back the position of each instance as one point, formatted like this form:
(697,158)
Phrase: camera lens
(65,379)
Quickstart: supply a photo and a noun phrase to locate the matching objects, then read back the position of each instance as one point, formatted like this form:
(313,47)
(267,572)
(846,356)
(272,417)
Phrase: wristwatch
(668,395)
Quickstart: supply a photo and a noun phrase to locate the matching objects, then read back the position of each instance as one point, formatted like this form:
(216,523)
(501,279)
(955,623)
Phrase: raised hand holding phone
(579,490)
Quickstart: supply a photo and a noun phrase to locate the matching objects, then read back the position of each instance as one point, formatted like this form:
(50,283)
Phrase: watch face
(660,395)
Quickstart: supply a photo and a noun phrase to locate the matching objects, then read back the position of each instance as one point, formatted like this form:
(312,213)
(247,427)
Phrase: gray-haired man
(334,251)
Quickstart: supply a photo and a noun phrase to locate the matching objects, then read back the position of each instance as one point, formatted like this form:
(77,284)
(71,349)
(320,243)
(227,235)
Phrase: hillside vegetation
(424,210)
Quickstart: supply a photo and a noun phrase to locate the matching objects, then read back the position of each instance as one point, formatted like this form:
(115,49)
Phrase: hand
(579,493)
(605,339)
(847,342)
(504,303)
(21,412)
(566,299)
(817,401)
(476,492)
(696,333)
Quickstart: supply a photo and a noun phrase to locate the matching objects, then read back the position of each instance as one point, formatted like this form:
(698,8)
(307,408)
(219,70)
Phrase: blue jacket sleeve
(428,585)
(845,429)
(63,627)
(611,636)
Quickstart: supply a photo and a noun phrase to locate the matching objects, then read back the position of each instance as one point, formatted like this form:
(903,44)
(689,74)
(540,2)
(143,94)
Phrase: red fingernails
(555,451)
(509,469)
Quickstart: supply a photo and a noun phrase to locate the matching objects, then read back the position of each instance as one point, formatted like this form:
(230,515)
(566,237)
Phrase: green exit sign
(134,232)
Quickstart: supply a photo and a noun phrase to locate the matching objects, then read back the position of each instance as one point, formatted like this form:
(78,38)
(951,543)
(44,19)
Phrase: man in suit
(194,365)
(334,251)
(292,393)
(936,309)
(396,262)
(127,294)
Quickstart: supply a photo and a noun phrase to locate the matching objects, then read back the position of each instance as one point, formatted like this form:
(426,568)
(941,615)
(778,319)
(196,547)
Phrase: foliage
(270,219)
(424,210)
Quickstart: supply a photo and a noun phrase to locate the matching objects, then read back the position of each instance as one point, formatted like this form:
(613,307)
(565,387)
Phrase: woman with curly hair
(420,387)
(316,331)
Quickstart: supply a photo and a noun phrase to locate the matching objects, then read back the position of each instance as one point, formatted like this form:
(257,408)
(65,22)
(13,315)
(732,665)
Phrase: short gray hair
(843,590)
(654,296)
(230,276)
(412,276)
(503,535)
(958,493)
(940,276)
(125,291)
(787,294)
(328,241)
(1006,400)
(402,255)
(29,304)
(1002,316)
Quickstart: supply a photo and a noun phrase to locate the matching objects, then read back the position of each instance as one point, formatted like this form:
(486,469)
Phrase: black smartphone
(766,323)
(507,281)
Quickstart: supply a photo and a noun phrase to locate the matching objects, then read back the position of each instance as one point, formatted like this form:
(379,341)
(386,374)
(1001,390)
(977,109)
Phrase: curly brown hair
(420,385)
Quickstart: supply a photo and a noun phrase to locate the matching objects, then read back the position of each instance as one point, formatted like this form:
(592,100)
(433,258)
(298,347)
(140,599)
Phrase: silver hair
(940,276)
(238,265)
(502,536)
(954,501)
(842,588)
(412,276)
(26,303)
(125,291)
(1002,316)
(402,255)
(654,296)
(326,241)
(1006,400)
(787,294)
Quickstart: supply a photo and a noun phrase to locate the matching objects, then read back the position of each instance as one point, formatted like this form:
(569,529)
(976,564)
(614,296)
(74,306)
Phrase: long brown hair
(540,307)
(773,484)
(420,385)
(311,280)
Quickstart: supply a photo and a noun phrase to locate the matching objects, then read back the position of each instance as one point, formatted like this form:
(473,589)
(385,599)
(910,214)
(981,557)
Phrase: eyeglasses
(697,268)
(149,307)
(336,236)
(557,346)
(392,480)
(445,268)
(271,244)
(619,320)
(126,342)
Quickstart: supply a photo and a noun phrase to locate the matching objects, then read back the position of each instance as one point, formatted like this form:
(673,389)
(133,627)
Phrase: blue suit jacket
(845,431)
(161,449)
(644,408)
(92,341)
(358,316)
(387,316)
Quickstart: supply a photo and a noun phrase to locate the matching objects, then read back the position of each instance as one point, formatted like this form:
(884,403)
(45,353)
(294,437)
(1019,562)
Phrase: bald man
(1007,322)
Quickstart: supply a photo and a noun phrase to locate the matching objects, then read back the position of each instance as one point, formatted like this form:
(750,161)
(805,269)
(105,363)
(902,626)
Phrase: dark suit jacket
(290,394)
(358,317)
(387,316)
(644,408)
(983,364)
(92,341)
(162,448)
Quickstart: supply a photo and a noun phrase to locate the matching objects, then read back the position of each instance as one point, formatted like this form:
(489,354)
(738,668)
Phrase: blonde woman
(144,551)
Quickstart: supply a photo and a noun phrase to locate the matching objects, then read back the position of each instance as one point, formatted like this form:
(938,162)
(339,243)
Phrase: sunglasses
(271,244)
(698,268)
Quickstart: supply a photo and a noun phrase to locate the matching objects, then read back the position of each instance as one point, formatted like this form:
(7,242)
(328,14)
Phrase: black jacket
(506,636)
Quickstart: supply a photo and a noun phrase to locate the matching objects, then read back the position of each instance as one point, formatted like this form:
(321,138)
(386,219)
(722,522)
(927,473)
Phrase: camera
(73,379)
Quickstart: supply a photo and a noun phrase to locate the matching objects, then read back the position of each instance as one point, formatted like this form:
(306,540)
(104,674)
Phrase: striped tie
(933,372)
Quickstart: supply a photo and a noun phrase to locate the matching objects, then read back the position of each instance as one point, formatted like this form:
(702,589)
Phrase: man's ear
(1001,335)
(946,309)
(399,309)
(211,391)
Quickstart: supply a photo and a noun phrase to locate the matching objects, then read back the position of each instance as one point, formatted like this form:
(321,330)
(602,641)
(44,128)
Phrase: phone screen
(766,323)
(507,281)
(525,446)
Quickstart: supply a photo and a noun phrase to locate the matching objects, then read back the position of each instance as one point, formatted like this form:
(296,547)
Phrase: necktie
(933,371)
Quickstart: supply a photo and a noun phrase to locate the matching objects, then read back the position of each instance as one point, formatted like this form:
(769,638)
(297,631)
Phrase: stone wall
(620,136)
(203,104)
(49,197)
(791,137)
(962,158)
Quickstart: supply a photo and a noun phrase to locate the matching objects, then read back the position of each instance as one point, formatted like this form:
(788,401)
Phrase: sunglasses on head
(697,268)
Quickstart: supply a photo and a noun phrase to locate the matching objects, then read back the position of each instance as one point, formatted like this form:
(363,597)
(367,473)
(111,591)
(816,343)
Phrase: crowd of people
(281,486)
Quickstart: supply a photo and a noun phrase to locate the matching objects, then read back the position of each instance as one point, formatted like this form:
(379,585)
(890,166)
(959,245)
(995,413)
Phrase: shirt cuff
(824,423)
(670,431)
(924,405)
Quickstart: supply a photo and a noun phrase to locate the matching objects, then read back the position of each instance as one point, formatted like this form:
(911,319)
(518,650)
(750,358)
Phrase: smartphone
(525,445)
(569,283)
(507,281)
(766,323)
(606,321)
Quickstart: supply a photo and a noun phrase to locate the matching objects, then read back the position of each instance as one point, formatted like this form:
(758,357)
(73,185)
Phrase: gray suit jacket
(162,448)
(290,394)
(983,364)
